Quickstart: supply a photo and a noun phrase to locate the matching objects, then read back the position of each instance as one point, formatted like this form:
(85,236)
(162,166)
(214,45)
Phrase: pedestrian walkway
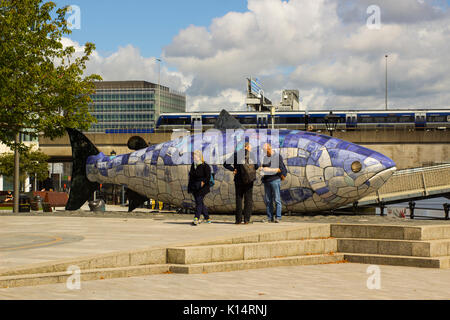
(331,281)
(27,240)
(412,184)
(34,239)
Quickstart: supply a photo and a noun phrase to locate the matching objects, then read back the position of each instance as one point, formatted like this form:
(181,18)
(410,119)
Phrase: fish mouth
(381,177)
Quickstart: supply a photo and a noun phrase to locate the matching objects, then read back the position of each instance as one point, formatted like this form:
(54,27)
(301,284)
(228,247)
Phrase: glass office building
(132,106)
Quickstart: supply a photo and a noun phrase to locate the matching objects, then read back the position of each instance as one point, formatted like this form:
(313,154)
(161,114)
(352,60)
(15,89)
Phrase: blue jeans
(272,193)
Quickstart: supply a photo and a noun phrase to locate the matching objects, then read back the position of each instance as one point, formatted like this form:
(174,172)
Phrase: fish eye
(356,166)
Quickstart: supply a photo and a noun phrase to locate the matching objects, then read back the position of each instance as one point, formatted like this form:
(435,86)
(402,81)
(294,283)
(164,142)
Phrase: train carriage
(315,120)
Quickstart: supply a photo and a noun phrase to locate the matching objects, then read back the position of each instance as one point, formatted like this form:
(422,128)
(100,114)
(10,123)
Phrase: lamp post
(386,101)
(159,88)
(112,156)
(331,121)
(272,115)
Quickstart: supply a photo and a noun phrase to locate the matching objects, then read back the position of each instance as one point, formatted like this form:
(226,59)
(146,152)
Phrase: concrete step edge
(310,231)
(395,240)
(251,243)
(85,275)
(413,248)
(135,257)
(250,251)
(393,232)
(395,260)
(257,263)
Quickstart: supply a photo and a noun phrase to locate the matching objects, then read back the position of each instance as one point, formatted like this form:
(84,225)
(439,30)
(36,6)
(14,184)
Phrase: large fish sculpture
(324,173)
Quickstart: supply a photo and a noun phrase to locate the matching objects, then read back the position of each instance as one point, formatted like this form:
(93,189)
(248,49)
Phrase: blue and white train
(315,120)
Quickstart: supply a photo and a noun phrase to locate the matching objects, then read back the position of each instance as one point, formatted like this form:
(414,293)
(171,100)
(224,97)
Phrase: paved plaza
(33,239)
(333,281)
(25,240)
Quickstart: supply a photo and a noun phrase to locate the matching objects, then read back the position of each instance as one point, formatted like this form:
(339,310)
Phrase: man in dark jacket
(272,175)
(198,185)
(243,190)
(48,183)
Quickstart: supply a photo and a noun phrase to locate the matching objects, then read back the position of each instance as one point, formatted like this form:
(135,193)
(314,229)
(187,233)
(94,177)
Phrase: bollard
(382,206)
(24,203)
(412,205)
(446,209)
(97,205)
(355,206)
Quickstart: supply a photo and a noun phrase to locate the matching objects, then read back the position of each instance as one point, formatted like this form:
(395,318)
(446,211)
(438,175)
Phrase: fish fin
(135,199)
(136,143)
(81,188)
(227,121)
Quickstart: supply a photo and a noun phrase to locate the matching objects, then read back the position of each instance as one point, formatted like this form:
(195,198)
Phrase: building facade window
(131,105)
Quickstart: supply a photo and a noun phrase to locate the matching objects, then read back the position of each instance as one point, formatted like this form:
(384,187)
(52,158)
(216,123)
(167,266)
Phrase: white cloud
(127,63)
(228,99)
(321,47)
(324,49)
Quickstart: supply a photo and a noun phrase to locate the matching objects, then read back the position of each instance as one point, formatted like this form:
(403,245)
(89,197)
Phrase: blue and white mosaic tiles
(323,172)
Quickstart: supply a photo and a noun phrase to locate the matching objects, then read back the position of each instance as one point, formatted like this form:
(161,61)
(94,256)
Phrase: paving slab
(33,239)
(346,281)
(36,238)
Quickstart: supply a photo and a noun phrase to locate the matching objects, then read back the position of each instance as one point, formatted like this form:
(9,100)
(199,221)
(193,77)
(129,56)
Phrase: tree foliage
(42,87)
(31,163)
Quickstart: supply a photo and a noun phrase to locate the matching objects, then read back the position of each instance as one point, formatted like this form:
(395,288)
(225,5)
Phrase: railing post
(425,192)
(446,209)
(412,205)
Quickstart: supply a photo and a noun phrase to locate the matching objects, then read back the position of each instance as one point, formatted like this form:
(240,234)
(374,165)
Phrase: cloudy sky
(332,51)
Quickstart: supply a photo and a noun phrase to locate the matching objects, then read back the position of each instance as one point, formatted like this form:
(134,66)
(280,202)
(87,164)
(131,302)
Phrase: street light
(112,156)
(331,121)
(386,56)
(159,88)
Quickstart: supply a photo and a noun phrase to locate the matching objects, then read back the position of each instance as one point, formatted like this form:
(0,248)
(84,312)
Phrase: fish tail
(81,188)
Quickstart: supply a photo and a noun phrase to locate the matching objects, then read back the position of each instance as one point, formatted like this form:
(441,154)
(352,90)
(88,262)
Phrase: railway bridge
(409,148)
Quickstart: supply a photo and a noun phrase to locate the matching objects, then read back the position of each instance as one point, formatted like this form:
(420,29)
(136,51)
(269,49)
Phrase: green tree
(32,163)
(43,89)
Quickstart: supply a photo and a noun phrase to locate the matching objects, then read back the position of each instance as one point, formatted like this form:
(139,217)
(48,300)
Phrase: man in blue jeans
(272,175)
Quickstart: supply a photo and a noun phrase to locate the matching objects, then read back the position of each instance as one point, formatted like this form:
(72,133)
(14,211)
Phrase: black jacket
(238,167)
(196,176)
(47,184)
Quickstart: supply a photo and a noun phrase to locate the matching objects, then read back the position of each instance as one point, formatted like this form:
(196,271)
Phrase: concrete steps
(427,248)
(414,246)
(118,259)
(249,251)
(396,232)
(258,263)
(248,255)
(135,271)
(301,245)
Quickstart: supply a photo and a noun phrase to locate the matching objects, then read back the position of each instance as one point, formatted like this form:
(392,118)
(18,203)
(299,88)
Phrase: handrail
(418,170)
